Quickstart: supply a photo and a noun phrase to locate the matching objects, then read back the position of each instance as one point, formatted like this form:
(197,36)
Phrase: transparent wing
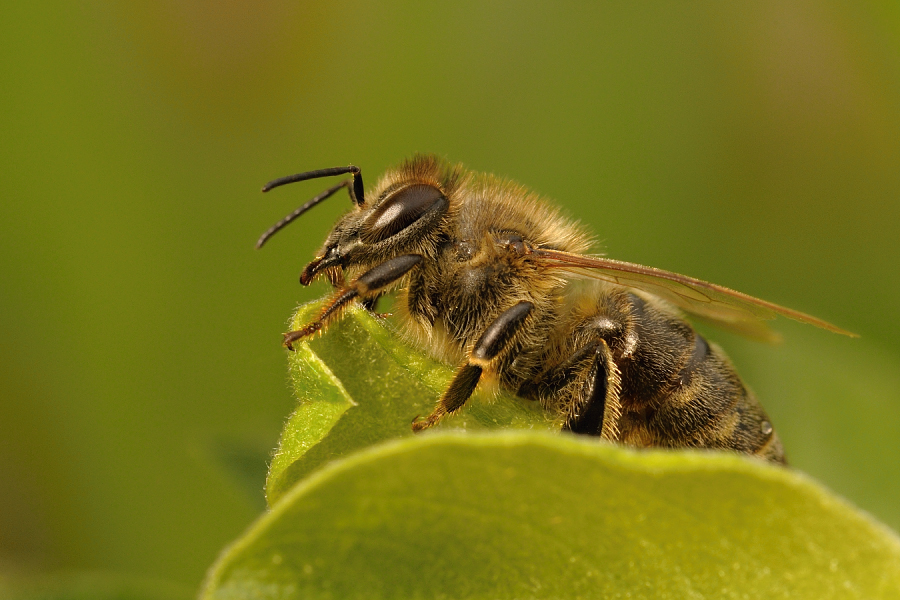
(723,306)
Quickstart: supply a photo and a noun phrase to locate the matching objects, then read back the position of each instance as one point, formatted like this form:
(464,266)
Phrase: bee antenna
(285,221)
(358,195)
(355,186)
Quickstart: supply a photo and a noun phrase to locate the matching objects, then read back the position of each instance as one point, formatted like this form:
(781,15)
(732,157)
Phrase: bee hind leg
(597,409)
(367,285)
(585,387)
(495,340)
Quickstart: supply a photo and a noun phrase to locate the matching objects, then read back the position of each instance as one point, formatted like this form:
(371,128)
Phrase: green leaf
(359,384)
(530,515)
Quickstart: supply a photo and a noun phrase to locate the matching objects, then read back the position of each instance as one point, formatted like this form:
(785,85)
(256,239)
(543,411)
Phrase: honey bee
(494,279)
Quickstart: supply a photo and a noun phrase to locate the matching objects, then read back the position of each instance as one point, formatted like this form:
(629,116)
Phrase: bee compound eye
(401,210)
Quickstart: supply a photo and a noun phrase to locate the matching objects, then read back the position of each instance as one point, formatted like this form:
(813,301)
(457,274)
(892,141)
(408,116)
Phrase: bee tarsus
(367,285)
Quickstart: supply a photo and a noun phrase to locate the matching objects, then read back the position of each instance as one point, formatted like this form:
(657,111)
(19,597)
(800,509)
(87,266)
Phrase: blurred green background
(752,144)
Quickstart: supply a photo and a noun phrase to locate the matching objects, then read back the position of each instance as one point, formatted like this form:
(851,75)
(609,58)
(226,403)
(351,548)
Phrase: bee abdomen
(681,391)
(712,408)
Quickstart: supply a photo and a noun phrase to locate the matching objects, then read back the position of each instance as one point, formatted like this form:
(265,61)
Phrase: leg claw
(423,424)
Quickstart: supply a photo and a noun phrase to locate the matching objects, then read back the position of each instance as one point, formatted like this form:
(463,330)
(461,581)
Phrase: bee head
(397,219)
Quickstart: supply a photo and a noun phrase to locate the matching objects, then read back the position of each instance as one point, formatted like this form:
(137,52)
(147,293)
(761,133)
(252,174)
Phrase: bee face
(401,216)
(492,277)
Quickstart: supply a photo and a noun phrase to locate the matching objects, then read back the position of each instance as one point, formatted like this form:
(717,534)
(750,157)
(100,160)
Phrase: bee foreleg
(367,285)
(492,343)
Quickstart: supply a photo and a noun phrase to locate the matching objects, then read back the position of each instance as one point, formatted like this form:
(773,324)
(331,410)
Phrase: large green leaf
(530,515)
(359,385)
(520,514)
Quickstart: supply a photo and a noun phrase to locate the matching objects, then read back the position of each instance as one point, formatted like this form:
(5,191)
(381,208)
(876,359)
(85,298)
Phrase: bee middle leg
(492,343)
(367,285)
(370,304)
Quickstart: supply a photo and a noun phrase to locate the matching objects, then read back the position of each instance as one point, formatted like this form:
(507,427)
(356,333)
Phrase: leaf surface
(359,384)
(534,515)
